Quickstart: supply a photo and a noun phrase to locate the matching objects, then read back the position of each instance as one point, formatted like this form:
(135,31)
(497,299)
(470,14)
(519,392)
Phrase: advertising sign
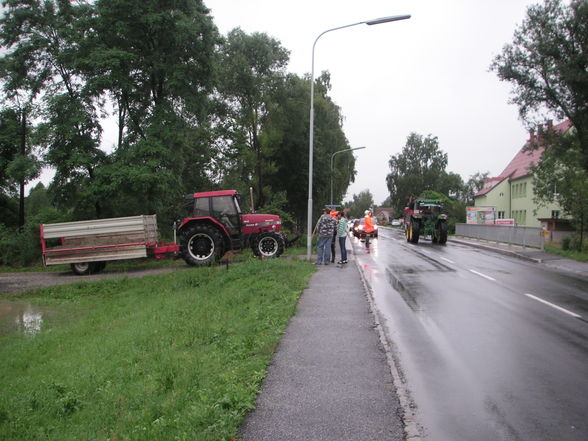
(510,222)
(481,215)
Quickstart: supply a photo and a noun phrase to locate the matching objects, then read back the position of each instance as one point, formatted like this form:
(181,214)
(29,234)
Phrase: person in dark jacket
(325,227)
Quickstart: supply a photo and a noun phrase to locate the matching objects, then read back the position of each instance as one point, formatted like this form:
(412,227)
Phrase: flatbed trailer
(88,245)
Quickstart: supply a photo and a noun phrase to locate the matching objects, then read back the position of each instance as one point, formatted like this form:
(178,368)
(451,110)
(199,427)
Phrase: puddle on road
(21,318)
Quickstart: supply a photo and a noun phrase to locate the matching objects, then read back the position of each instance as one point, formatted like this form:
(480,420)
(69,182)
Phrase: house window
(554,214)
(501,215)
(520,216)
(501,194)
(524,190)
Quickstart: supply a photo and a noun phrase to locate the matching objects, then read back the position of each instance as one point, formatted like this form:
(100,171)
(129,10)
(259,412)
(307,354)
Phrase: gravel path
(18,282)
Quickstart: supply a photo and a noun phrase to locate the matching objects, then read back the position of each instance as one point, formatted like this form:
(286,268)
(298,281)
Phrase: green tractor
(425,217)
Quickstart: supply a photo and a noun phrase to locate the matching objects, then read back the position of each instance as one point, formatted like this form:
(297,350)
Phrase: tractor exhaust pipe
(251,197)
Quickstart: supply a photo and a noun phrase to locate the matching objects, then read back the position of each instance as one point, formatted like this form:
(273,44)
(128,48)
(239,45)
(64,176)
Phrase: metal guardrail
(524,236)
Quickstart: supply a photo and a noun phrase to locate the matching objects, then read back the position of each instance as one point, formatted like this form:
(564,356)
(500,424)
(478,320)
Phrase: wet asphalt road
(491,347)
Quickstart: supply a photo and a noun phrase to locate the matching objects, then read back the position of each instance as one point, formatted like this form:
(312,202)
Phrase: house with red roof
(511,193)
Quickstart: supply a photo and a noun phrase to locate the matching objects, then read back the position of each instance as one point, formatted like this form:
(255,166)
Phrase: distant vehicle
(425,217)
(396,222)
(359,226)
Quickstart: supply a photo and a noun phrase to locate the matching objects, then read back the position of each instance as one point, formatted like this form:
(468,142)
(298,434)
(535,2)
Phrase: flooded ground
(22,318)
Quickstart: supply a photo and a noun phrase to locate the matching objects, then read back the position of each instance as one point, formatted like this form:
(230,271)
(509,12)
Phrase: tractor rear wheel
(201,245)
(415,231)
(268,244)
(443,233)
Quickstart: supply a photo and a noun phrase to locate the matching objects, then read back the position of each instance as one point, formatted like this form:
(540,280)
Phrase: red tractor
(217,226)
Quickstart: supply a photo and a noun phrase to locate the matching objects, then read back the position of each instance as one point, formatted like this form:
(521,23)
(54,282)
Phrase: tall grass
(172,357)
(580,256)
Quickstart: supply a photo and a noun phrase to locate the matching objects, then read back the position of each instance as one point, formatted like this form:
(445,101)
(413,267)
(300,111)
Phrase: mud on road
(19,282)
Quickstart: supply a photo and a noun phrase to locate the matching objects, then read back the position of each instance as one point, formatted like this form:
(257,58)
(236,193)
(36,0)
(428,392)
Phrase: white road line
(447,260)
(483,275)
(559,308)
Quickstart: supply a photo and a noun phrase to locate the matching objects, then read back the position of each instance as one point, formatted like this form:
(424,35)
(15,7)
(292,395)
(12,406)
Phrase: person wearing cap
(325,227)
(368,228)
(334,214)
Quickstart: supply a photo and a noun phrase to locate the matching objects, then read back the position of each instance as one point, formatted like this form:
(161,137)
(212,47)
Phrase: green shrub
(572,243)
(23,248)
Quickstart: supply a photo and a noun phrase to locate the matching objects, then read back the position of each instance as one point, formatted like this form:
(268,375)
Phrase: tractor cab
(223,206)
(215,225)
(429,208)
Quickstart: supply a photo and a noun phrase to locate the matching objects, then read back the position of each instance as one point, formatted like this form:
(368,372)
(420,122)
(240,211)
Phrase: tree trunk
(581,243)
(23,145)
(258,170)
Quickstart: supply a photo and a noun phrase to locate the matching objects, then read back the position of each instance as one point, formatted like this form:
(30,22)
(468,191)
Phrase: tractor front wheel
(201,245)
(268,244)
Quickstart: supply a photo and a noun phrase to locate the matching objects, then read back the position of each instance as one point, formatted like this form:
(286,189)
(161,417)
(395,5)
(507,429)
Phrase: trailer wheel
(268,244)
(201,245)
(85,268)
(82,268)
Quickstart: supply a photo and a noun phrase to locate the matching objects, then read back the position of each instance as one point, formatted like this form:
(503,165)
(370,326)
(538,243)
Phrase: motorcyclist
(368,228)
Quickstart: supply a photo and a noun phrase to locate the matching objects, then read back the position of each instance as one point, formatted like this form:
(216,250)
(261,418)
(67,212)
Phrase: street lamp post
(332,157)
(311,132)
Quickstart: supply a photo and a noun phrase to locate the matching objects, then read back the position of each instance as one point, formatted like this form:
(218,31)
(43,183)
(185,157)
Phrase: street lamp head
(386,19)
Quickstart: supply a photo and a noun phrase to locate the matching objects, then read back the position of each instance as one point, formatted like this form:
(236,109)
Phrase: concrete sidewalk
(329,378)
(529,254)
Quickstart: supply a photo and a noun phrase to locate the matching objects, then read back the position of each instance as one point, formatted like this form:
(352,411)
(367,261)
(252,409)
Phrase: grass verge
(570,254)
(173,357)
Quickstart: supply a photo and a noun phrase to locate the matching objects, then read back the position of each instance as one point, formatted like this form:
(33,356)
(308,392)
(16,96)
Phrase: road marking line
(559,308)
(483,275)
(447,260)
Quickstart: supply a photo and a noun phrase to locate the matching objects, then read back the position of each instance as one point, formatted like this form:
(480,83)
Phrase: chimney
(549,125)
(531,135)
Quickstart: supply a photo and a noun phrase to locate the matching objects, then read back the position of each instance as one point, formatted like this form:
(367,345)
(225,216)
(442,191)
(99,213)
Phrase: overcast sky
(428,75)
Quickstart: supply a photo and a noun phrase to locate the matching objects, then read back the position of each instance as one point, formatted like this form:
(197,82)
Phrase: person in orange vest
(368,228)
(334,215)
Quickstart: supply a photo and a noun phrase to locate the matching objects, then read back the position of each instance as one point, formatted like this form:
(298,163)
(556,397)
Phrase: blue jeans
(343,250)
(323,249)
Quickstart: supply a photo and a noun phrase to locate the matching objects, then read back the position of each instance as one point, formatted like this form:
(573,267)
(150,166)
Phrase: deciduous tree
(419,167)
(253,68)
(547,65)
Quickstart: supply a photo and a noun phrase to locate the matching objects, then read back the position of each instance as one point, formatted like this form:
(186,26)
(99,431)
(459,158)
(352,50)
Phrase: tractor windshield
(431,208)
(202,207)
(226,210)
